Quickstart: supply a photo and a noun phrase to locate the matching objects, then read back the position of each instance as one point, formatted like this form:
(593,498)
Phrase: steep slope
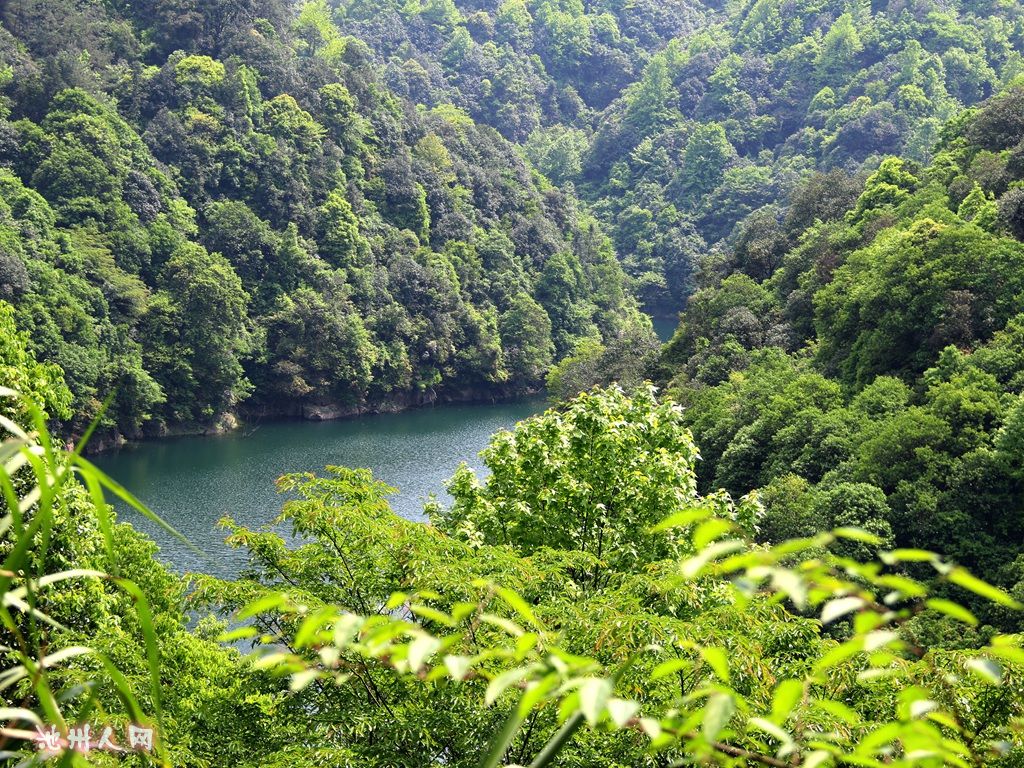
(703,153)
(876,377)
(688,126)
(205,204)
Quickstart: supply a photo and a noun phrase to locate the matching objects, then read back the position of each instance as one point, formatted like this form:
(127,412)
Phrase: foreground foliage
(651,632)
(655,622)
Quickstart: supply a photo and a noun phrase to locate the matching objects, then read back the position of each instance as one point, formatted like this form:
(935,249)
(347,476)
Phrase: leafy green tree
(319,348)
(196,335)
(581,499)
(839,49)
(625,361)
(919,289)
(856,505)
(707,154)
(340,242)
(250,245)
(42,383)
(525,330)
(560,290)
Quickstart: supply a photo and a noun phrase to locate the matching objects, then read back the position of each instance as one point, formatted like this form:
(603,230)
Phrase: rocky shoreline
(227,423)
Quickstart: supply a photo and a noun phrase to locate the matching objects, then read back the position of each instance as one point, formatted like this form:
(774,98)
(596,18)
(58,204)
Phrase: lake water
(664,327)
(192,482)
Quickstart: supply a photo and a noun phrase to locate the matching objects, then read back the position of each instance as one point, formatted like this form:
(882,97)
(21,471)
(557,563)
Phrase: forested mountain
(704,152)
(875,375)
(688,126)
(211,204)
(802,546)
(327,207)
(521,66)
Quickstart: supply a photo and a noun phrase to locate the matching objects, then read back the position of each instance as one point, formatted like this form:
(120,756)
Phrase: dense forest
(202,207)
(686,125)
(875,375)
(792,536)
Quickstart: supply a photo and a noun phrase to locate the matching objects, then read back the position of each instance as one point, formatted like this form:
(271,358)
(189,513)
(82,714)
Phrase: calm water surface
(193,482)
(664,327)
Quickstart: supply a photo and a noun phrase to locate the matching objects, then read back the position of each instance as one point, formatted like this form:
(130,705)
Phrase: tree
(579,497)
(705,158)
(249,244)
(999,124)
(560,291)
(838,50)
(42,383)
(525,330)
(650,102)
(340,242)
(319,349)
(919,288)
(625,360)
(196,335)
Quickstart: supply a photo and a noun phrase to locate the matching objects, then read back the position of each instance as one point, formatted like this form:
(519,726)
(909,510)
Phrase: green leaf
(1007,653)
(18,713)
(239,633)
(857,534)
(622,711)
(839,654)
(695,565)
(772,729)
(717,713)
(302,679)
(816,758)
(879,639)
(594,694)
(841,606)
(792,585)
(717,660)
(651,727)
(519,605)
(682,519)
(986,669)
(710,530)
(908,556)
(838,710)
(787,695)
(922,707)
(432,614)
(499,744)
(502,623)
(670,667)
(501,682)
(264,604)
(953,610)
(557,742)
(458,666)
(963,578)
(421,649)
